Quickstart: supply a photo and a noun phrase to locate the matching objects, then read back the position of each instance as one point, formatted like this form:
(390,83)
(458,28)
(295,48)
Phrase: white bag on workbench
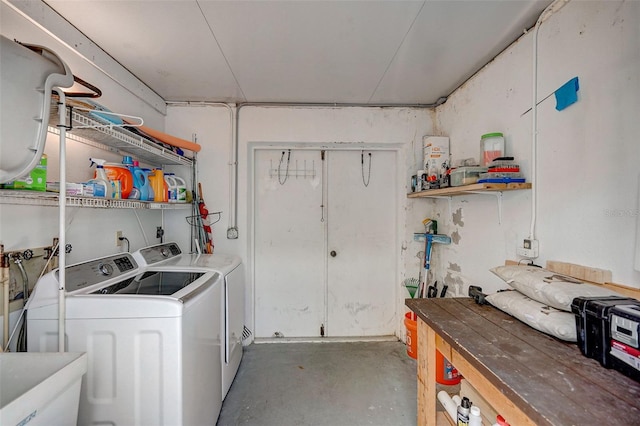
(547,287)
(535,314)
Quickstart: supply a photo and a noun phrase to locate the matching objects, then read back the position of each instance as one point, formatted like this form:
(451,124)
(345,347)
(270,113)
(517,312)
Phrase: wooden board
(601,277)
(584,273)
(168,139)
(521,371)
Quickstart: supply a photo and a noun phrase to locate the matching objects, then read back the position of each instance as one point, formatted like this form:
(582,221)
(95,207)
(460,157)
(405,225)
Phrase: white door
(325,243)
(362,228)
(289,240)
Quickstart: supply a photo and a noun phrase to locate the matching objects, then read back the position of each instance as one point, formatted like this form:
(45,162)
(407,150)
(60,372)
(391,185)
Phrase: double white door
(325,243)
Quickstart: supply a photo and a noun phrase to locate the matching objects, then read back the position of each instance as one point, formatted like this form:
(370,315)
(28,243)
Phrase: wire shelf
(51,199)
(104,135)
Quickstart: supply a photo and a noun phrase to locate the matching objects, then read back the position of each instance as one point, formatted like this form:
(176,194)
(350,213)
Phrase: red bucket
(412,334)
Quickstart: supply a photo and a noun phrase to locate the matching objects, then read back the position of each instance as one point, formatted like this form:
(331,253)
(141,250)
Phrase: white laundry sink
(40,388)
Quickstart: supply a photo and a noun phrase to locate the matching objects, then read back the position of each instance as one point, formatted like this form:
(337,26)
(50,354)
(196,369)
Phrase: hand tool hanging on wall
(207,242)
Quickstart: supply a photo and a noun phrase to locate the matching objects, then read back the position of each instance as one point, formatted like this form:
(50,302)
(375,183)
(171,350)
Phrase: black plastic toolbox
(593,327)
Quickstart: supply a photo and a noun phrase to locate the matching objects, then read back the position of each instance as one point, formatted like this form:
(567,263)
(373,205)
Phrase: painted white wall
(91,232)
(587,154)
(303,125)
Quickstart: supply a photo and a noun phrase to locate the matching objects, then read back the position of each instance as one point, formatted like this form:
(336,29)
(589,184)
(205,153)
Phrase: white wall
(91,232)
(305,125)
(588,153)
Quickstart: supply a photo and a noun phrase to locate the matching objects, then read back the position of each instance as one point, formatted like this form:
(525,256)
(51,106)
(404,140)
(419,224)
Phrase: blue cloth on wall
(567,94)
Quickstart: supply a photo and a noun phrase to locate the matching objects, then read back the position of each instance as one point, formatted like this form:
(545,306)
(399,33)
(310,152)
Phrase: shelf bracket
(498,195)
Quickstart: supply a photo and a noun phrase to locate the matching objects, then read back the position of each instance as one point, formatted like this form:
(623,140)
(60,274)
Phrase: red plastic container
(412,334)
(446,373)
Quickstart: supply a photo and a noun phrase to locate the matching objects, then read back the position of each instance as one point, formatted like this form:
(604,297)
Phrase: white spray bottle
(101,177)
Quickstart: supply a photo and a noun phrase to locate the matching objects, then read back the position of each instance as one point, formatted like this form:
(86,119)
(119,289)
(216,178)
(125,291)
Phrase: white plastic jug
(181,190)
(172,187)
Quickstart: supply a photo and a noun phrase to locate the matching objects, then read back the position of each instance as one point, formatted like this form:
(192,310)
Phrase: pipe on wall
(546,13)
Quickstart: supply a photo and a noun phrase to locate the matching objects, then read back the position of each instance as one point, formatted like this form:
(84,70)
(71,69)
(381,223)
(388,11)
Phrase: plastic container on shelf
(101,179)
(466,175)
(120,173)
(172,190)
(508,166)
(159,185)
(491,147)
(181,190)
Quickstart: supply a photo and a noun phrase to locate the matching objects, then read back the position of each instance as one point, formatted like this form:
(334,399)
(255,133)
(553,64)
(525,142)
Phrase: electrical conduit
(546,13)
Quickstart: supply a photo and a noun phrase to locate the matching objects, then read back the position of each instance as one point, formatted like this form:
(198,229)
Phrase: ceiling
(393,52)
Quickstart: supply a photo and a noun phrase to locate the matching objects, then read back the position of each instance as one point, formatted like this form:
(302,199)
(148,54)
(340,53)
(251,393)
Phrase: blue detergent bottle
(147,185)
(135,191)
(140,181)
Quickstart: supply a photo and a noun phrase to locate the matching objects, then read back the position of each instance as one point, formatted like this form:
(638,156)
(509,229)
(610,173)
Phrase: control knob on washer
(105,269)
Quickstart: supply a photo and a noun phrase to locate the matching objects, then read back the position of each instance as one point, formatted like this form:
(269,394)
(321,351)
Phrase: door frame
(398,148)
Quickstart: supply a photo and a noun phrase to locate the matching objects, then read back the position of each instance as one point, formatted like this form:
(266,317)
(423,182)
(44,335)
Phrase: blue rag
(567,94)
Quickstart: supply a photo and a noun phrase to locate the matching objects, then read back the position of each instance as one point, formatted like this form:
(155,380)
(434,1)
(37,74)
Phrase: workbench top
(546,378)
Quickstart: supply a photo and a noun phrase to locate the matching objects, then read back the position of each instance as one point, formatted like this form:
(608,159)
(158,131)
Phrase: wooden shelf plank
(466,189)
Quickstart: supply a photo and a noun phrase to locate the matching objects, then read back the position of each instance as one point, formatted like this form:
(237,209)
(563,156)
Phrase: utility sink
(40,388)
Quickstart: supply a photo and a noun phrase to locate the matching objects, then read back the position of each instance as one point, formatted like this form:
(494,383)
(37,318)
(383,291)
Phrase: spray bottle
(101,179)
(463,412)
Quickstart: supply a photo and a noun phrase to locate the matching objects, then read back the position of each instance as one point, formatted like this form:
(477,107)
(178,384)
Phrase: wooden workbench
(528,377)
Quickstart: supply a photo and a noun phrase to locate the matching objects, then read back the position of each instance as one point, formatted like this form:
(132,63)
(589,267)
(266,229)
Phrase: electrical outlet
(118,240)
(529,249)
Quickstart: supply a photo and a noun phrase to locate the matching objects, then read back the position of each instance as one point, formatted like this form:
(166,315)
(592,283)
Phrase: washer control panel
(86,274)
(160,252)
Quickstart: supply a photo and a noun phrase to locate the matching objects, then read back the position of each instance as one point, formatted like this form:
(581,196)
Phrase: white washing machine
(152,337)
(168,256)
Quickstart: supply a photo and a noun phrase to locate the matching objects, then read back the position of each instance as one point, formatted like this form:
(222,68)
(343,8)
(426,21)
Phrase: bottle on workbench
(463,412)
(474,416)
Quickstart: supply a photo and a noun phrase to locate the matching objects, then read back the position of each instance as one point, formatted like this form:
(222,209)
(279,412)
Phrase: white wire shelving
(107,136)
(51,199)
(101,134)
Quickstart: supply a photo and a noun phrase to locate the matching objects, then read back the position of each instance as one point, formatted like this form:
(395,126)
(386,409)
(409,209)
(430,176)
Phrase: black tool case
(624,352)
(593,327)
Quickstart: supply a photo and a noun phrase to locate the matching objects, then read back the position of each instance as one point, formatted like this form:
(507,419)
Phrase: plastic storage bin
(491,147)
(466,175)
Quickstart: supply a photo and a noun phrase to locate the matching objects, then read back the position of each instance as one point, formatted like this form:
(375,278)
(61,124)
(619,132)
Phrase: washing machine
(152,338)
(169,256)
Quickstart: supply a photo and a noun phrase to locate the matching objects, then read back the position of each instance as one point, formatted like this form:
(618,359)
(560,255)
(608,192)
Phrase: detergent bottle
(171,185)
(160,188)
(121,175)
(140,183)
(101,179)
(151,194)
(181,190)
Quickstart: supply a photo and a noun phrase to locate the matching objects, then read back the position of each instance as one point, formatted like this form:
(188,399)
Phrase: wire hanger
(286,175)
(365,182)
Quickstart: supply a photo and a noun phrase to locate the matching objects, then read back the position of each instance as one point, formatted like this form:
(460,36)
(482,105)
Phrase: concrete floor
(353,383)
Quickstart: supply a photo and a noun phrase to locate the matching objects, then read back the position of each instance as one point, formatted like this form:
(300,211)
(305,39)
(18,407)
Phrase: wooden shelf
(470,189)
